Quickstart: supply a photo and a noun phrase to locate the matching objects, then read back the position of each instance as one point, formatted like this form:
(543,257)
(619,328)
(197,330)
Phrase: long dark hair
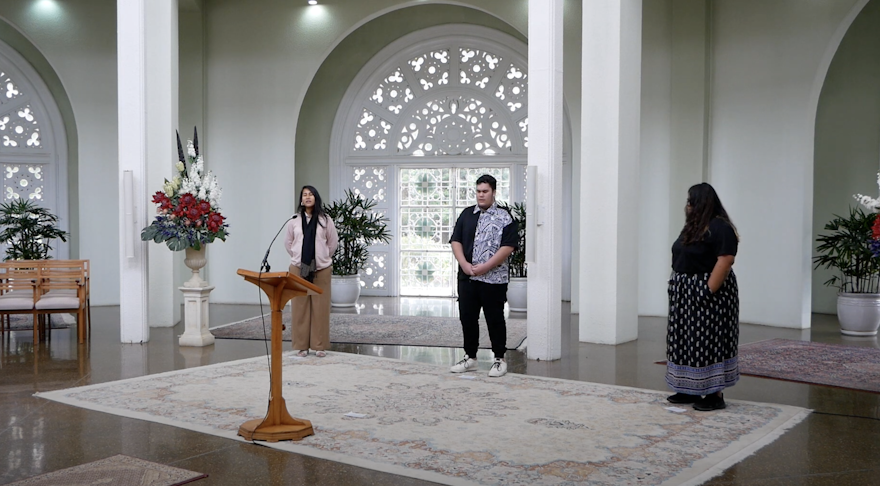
(317,211)
(705,205)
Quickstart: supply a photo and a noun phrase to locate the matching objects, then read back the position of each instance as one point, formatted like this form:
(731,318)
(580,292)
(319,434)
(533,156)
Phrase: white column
(131,65)
(161,81)
(611,90)
(545,152)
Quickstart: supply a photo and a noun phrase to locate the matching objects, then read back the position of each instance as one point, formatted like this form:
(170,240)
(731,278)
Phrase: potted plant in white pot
(518,288)
(358,228)
(851,249)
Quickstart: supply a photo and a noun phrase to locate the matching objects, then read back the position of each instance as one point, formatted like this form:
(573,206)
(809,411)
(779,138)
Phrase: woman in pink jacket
(311,241)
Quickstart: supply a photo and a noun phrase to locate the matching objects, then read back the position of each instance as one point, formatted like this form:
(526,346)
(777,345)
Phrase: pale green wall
(192,72)
(847,144)
(342,65)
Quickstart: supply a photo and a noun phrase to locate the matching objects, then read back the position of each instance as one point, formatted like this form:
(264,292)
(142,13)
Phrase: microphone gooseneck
(264,266)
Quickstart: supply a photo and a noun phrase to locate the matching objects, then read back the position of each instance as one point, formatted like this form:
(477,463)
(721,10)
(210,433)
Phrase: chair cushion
(57,302)
(60,292)
(10,301)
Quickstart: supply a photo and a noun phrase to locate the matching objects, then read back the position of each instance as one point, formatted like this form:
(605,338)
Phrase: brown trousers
(311,314)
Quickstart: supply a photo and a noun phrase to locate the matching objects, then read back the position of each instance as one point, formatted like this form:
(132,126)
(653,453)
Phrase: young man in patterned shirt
(484,236)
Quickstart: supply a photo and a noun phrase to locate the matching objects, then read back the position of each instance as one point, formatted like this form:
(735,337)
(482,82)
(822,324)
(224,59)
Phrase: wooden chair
(63,288)
(18,291)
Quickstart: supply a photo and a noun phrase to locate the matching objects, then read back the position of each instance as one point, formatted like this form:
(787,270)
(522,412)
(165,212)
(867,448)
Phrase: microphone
(264,266)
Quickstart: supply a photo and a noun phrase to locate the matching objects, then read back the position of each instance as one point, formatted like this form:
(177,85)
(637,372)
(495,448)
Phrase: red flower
(160,198)
(875,230)
(204,207)
(193,213)
(187,199)
(215,222)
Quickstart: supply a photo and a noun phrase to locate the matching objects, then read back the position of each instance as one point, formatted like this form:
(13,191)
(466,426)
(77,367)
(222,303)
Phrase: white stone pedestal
(195,311)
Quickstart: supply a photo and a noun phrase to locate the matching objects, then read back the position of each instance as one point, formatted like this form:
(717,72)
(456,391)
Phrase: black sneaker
(682,398)
(711,402)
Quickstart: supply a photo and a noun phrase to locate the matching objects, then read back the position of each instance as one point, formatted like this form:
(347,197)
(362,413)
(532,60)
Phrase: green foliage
(358,228)
(28,230)
(847,250)
(517,259)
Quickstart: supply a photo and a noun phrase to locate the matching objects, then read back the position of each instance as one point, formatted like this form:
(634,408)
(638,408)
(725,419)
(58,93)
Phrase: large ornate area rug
(117,470)
(421,421)
(379,329)
(855,367)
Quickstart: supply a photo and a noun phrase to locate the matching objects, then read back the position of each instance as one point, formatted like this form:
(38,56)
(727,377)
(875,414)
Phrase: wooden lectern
(278,424)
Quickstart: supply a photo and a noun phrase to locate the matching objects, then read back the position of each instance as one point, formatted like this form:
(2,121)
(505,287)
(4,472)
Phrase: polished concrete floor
(838,444)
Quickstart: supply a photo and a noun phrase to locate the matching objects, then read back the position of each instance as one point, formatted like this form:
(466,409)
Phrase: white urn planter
(518,294)
(344,290)
(859,314)
(195,260)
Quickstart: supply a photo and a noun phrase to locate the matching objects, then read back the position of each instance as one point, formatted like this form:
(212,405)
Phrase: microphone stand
(264,266)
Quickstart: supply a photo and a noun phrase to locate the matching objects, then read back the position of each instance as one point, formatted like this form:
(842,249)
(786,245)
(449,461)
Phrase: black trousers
(473,296)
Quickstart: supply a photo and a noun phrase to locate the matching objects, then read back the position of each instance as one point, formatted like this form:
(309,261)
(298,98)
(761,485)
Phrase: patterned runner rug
(117,470)
(25,322)
(379,329)
(855,367)
(421,421)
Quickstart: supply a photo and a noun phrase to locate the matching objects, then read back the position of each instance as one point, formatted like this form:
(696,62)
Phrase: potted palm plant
(28,230)
(517,290)
(358,228)
(851,248)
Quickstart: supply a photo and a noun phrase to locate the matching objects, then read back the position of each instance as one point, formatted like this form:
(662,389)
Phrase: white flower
(867,201)
(190,148)
(180,166)
(187,186)
(193,174)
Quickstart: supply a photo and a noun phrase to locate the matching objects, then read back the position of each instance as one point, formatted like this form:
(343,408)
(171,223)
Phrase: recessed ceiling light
(313,2)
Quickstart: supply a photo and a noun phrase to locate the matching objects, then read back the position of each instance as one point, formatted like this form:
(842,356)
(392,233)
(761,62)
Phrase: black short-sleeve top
(481,234)
(701,256)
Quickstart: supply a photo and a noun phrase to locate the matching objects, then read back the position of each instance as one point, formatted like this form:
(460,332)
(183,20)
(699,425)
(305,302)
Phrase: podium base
(251,430)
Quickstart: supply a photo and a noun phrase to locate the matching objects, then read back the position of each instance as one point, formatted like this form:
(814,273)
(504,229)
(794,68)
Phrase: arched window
(421,121)
(33,147)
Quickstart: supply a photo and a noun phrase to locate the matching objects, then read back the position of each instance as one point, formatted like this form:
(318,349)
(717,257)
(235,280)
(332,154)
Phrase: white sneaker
(499,368)
(466,364)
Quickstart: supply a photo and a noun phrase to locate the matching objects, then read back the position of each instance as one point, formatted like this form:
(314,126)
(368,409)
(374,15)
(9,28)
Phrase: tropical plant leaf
(358,227)
(28,230)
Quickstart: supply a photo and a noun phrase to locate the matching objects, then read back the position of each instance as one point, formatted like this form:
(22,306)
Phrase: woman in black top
(703,330)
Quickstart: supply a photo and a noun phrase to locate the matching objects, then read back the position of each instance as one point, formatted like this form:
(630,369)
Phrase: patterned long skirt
(702,336)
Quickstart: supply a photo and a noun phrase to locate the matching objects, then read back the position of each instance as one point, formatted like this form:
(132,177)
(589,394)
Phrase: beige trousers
(311,314)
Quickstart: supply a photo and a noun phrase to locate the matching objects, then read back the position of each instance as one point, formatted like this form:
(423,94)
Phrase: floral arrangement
(872,205)
(189,204)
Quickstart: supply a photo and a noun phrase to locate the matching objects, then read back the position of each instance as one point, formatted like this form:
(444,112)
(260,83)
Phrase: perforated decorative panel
(21,181)
(370,182)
